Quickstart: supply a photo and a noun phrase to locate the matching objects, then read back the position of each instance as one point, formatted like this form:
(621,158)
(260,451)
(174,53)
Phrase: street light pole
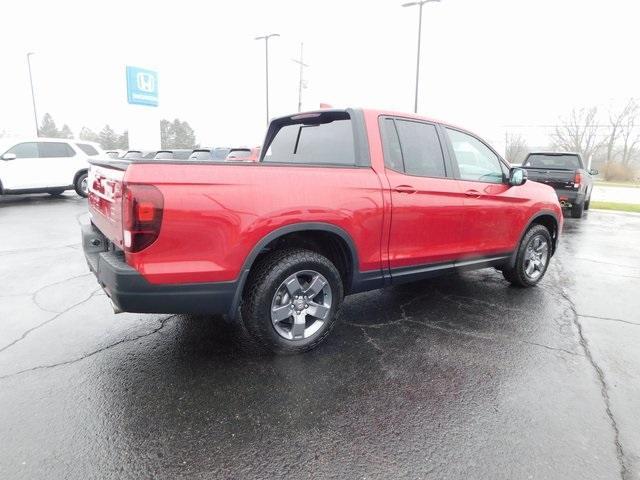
(301,80)
(33,97)
(266,64)
(419,4)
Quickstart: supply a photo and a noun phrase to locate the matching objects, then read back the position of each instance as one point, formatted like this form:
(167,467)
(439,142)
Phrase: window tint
(541,160)
(25,150)
(476,162)
(88,149)
(55,150)
(421,149)
(391,146)
(324,143)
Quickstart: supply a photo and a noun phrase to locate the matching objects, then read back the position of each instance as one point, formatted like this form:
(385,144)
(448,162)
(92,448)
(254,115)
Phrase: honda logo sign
(142,86)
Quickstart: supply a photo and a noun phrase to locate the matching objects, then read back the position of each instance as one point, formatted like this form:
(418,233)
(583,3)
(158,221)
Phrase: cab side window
(476,162)
(25,150)
(413,148)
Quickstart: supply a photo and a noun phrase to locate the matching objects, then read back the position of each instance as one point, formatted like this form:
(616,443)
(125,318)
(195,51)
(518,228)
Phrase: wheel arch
(546,218)
(304,234)
(82,171)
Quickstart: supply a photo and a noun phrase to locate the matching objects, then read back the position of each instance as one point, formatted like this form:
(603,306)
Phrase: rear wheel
(82,185)
(291,300)
(587,203)
(577,210)
(532,258)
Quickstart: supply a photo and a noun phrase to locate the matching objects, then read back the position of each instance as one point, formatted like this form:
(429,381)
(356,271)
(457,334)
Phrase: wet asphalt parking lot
(461,377)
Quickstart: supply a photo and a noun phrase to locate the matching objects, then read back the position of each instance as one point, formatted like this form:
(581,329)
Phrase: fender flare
(280,232)
(541,213)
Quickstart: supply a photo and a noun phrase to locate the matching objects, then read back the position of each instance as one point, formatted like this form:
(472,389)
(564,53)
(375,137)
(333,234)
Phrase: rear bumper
(131,292)
(569,196)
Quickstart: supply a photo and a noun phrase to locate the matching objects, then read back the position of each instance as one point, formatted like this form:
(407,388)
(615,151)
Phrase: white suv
(45,165)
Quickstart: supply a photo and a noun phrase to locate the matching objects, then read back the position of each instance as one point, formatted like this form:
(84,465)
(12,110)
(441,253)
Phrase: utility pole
(33,97)
(266,63)
(419,4)
(301,83)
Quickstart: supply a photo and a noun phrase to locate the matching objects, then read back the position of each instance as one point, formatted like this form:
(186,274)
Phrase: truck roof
(553,153)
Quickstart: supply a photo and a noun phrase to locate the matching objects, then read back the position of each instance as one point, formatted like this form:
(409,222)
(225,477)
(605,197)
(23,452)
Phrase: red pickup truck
(340,201)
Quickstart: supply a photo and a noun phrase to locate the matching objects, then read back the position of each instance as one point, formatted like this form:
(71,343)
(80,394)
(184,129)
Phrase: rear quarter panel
(214,215)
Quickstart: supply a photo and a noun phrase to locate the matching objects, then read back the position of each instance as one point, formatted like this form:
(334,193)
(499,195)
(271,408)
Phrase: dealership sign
(142,86)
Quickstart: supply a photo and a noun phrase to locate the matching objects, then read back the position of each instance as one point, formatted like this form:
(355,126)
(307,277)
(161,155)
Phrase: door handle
(405,189)
(473,193)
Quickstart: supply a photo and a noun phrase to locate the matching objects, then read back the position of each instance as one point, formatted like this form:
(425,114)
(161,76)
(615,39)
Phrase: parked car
(565,172)
(139,154)
(45,165)
(244,154)
(175,154)
(341,201)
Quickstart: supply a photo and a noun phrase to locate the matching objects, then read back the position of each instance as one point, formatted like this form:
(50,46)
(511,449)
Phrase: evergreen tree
(65,132)
(48,127)
(89,135)
(108,139)
(176,134)
(123,141)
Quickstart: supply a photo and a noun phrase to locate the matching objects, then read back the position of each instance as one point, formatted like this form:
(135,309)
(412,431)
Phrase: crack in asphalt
(33,249)
(27,332)
(610,319)
(604,387)
(162,324)
(369,339)
(438,326)
(34,295)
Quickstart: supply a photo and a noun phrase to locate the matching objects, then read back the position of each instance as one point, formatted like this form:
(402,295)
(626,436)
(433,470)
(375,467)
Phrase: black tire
(78,186)
(587,203)
(263,285)
(577,210)
(55,193)
(517,274)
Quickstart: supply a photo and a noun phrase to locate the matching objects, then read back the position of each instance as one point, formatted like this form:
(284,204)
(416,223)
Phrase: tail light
(141,216)
(577,180)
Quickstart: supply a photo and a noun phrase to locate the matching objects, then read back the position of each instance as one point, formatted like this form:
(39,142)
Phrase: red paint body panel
(215,214)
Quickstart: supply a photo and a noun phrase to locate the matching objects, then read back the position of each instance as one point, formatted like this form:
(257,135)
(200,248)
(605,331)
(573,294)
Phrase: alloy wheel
(301,305)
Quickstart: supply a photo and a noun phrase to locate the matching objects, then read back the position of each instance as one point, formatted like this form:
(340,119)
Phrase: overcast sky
(485,63)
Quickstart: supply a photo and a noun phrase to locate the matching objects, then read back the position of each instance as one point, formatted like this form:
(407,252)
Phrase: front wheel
(291,300)
(532,258)
(82,185)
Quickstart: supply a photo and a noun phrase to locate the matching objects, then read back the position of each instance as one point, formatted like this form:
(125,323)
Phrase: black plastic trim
(420,272)
(23,191)
(131,292)
(360,281)
(556,240)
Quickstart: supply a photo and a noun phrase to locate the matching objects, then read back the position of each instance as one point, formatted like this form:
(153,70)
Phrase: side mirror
(9,156)
(517,176)
(593,171)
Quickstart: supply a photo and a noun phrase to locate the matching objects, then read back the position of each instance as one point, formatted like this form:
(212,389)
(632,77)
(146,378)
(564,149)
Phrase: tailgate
(555,178)
(105,200)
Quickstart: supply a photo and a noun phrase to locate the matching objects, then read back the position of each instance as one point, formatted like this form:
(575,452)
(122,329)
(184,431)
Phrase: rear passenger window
(88,149)
(391,146)
(55,150)
(25,150)
(326,143)
(421,150)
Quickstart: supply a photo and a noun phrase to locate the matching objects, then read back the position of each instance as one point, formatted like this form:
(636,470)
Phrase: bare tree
(630,133)
(515,148)
(618,126)
(579,133)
